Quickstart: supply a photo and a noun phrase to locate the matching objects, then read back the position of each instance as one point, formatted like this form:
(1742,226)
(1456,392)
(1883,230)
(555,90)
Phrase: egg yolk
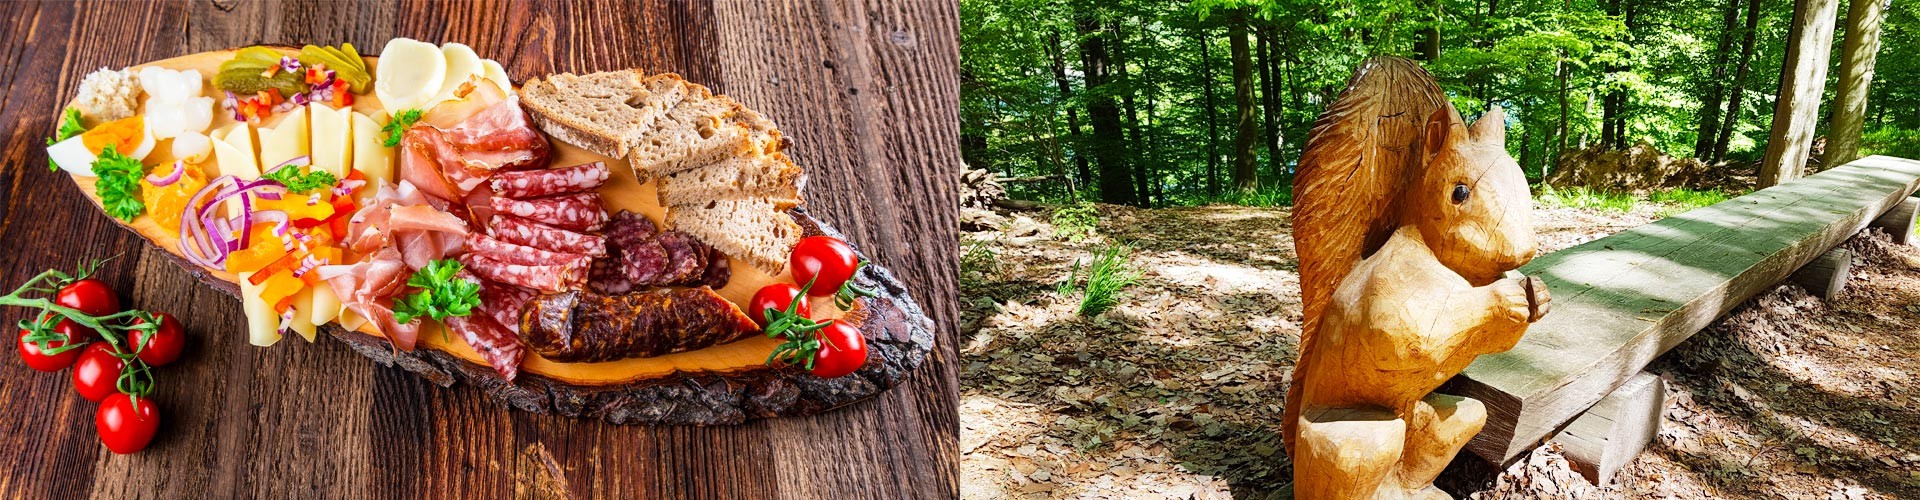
(123,134)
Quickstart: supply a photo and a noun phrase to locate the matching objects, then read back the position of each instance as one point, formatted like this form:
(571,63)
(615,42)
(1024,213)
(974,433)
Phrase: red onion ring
(178,168)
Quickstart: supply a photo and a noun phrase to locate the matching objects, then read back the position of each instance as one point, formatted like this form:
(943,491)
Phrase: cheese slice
(498,75)
(351,320)
(462,65)
(332,139)
(233,152)
(285,141)
(325,306)
(263,325)
(372,158)
(302,318)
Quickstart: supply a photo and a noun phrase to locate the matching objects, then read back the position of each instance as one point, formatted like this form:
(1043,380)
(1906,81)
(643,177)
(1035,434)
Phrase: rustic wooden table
(867,90)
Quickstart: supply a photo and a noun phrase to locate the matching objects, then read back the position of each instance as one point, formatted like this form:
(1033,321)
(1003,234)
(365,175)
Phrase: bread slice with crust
(771,177)
(753,230)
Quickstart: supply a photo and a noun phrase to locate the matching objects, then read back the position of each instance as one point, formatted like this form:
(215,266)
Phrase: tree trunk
(1857,55)
(1739,82)
(1073,113)
(1429,46)
(1802,78)
(1121,53)
(1213,122)
(1711,104)
(1246,171)
(1108,139)
(1270,112)
(1561,132)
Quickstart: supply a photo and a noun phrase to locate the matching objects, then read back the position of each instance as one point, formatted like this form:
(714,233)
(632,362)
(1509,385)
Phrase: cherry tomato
(826,260)
(126,424)
(166,343)
(90,296)
(775,296)
(842,351)
(97,372)
(35,358)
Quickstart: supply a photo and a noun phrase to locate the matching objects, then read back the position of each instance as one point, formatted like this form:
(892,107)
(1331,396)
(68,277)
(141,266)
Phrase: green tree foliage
(1566,71)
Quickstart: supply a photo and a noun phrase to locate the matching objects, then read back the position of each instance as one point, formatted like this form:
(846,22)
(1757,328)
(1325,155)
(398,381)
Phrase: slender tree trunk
(1246,172)
(1270,103)
(1429,45)
(1213,121)
(1739,82)
(1857,55)
(1711,104)
(1802,78)
(1073,113)
(1121,55)
(1109,145)
(1561,132)
(1155,183)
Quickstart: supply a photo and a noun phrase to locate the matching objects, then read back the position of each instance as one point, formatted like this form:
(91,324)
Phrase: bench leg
(1898,221)
(1826,275)
(1613,432)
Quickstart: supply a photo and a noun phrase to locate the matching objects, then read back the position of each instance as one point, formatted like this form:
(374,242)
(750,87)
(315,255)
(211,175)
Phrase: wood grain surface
(867,90)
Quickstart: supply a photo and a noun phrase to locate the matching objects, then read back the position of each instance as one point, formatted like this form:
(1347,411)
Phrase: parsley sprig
(299,183)
(119,184)
(442,294)
(398,126)
(69,126)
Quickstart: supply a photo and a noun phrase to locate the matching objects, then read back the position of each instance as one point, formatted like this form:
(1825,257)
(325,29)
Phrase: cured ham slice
(580,326)
(533,183)
(461,143)
(545,278)
(576,212)
(520,231)
(368,287)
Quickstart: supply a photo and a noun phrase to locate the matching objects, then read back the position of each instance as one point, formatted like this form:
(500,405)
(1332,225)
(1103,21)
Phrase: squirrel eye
(1460,192)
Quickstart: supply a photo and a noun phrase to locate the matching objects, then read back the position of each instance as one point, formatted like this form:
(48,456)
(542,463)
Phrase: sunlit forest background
(1180,102)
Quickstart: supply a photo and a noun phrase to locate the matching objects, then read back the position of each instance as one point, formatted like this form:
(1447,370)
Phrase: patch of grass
(1105,278)
(977,258)
(1266,196)
(1891,141)
(1075,222)
(1680,200)
(1585,198)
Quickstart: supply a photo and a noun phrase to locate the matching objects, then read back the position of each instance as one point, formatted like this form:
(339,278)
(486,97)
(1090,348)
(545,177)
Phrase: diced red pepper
(277,98)
(288,263)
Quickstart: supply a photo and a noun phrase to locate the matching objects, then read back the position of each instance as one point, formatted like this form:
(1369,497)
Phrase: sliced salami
(574,212)
(547,278)
(503,303)
(500,346)
(534,183)
(524,232)
(686,257)
(719,270)
(519,254)
(609,276)
(646,264)
(627,229)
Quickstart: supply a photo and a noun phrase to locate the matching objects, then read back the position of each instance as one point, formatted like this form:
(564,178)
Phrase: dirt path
(1176,392)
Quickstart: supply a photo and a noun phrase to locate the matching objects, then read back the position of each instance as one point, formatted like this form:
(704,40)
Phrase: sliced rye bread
(772,177)
(602,112)
(700,132)
(754,231)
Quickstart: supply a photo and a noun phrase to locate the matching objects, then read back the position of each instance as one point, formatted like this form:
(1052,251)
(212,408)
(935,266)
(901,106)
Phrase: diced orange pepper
(286,263)
(262,249)
(279,288)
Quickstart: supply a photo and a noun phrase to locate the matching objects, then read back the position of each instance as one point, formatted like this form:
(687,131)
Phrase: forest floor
(1176,392)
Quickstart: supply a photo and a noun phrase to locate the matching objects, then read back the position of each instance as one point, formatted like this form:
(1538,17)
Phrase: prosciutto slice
(367,288)
(460,144)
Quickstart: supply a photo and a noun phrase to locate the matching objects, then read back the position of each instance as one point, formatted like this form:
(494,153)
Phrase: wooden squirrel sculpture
(1405,221)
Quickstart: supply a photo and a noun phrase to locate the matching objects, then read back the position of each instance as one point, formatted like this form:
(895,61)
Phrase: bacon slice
(524,232)
(576,212)
(532,183)
(581,326)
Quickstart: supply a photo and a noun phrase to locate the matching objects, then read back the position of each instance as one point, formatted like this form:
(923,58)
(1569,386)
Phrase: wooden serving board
(724,384)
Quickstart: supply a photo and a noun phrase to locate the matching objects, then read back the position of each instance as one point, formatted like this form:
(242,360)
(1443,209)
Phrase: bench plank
(1622,300)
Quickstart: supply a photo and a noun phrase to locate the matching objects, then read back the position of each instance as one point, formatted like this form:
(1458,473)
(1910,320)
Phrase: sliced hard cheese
(372,158)
(409,74)
(285,141)
(325,306)
(233,151)
(263,326)
(351,320)
(301,321)
(332,138)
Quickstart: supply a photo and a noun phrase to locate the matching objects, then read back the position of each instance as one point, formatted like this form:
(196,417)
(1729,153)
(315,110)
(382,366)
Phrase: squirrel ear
(1439,129)
(1491,127)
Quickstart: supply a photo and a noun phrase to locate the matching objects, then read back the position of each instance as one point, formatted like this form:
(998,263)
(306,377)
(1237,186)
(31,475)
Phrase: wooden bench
(1622,300)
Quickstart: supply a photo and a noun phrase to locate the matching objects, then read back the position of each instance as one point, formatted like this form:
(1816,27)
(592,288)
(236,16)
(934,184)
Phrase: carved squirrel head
(1471,200)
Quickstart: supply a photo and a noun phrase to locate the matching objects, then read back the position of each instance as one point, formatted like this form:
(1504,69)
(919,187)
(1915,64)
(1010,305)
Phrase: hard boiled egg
(72,156)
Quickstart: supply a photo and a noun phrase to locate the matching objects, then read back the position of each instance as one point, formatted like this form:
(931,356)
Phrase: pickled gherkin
(249,70)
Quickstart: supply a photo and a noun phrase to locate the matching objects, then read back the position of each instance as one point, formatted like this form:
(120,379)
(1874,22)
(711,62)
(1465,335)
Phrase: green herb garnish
(299,183)
(441,295)
(119,184)
(69,126)
(398,126)
(798,343)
